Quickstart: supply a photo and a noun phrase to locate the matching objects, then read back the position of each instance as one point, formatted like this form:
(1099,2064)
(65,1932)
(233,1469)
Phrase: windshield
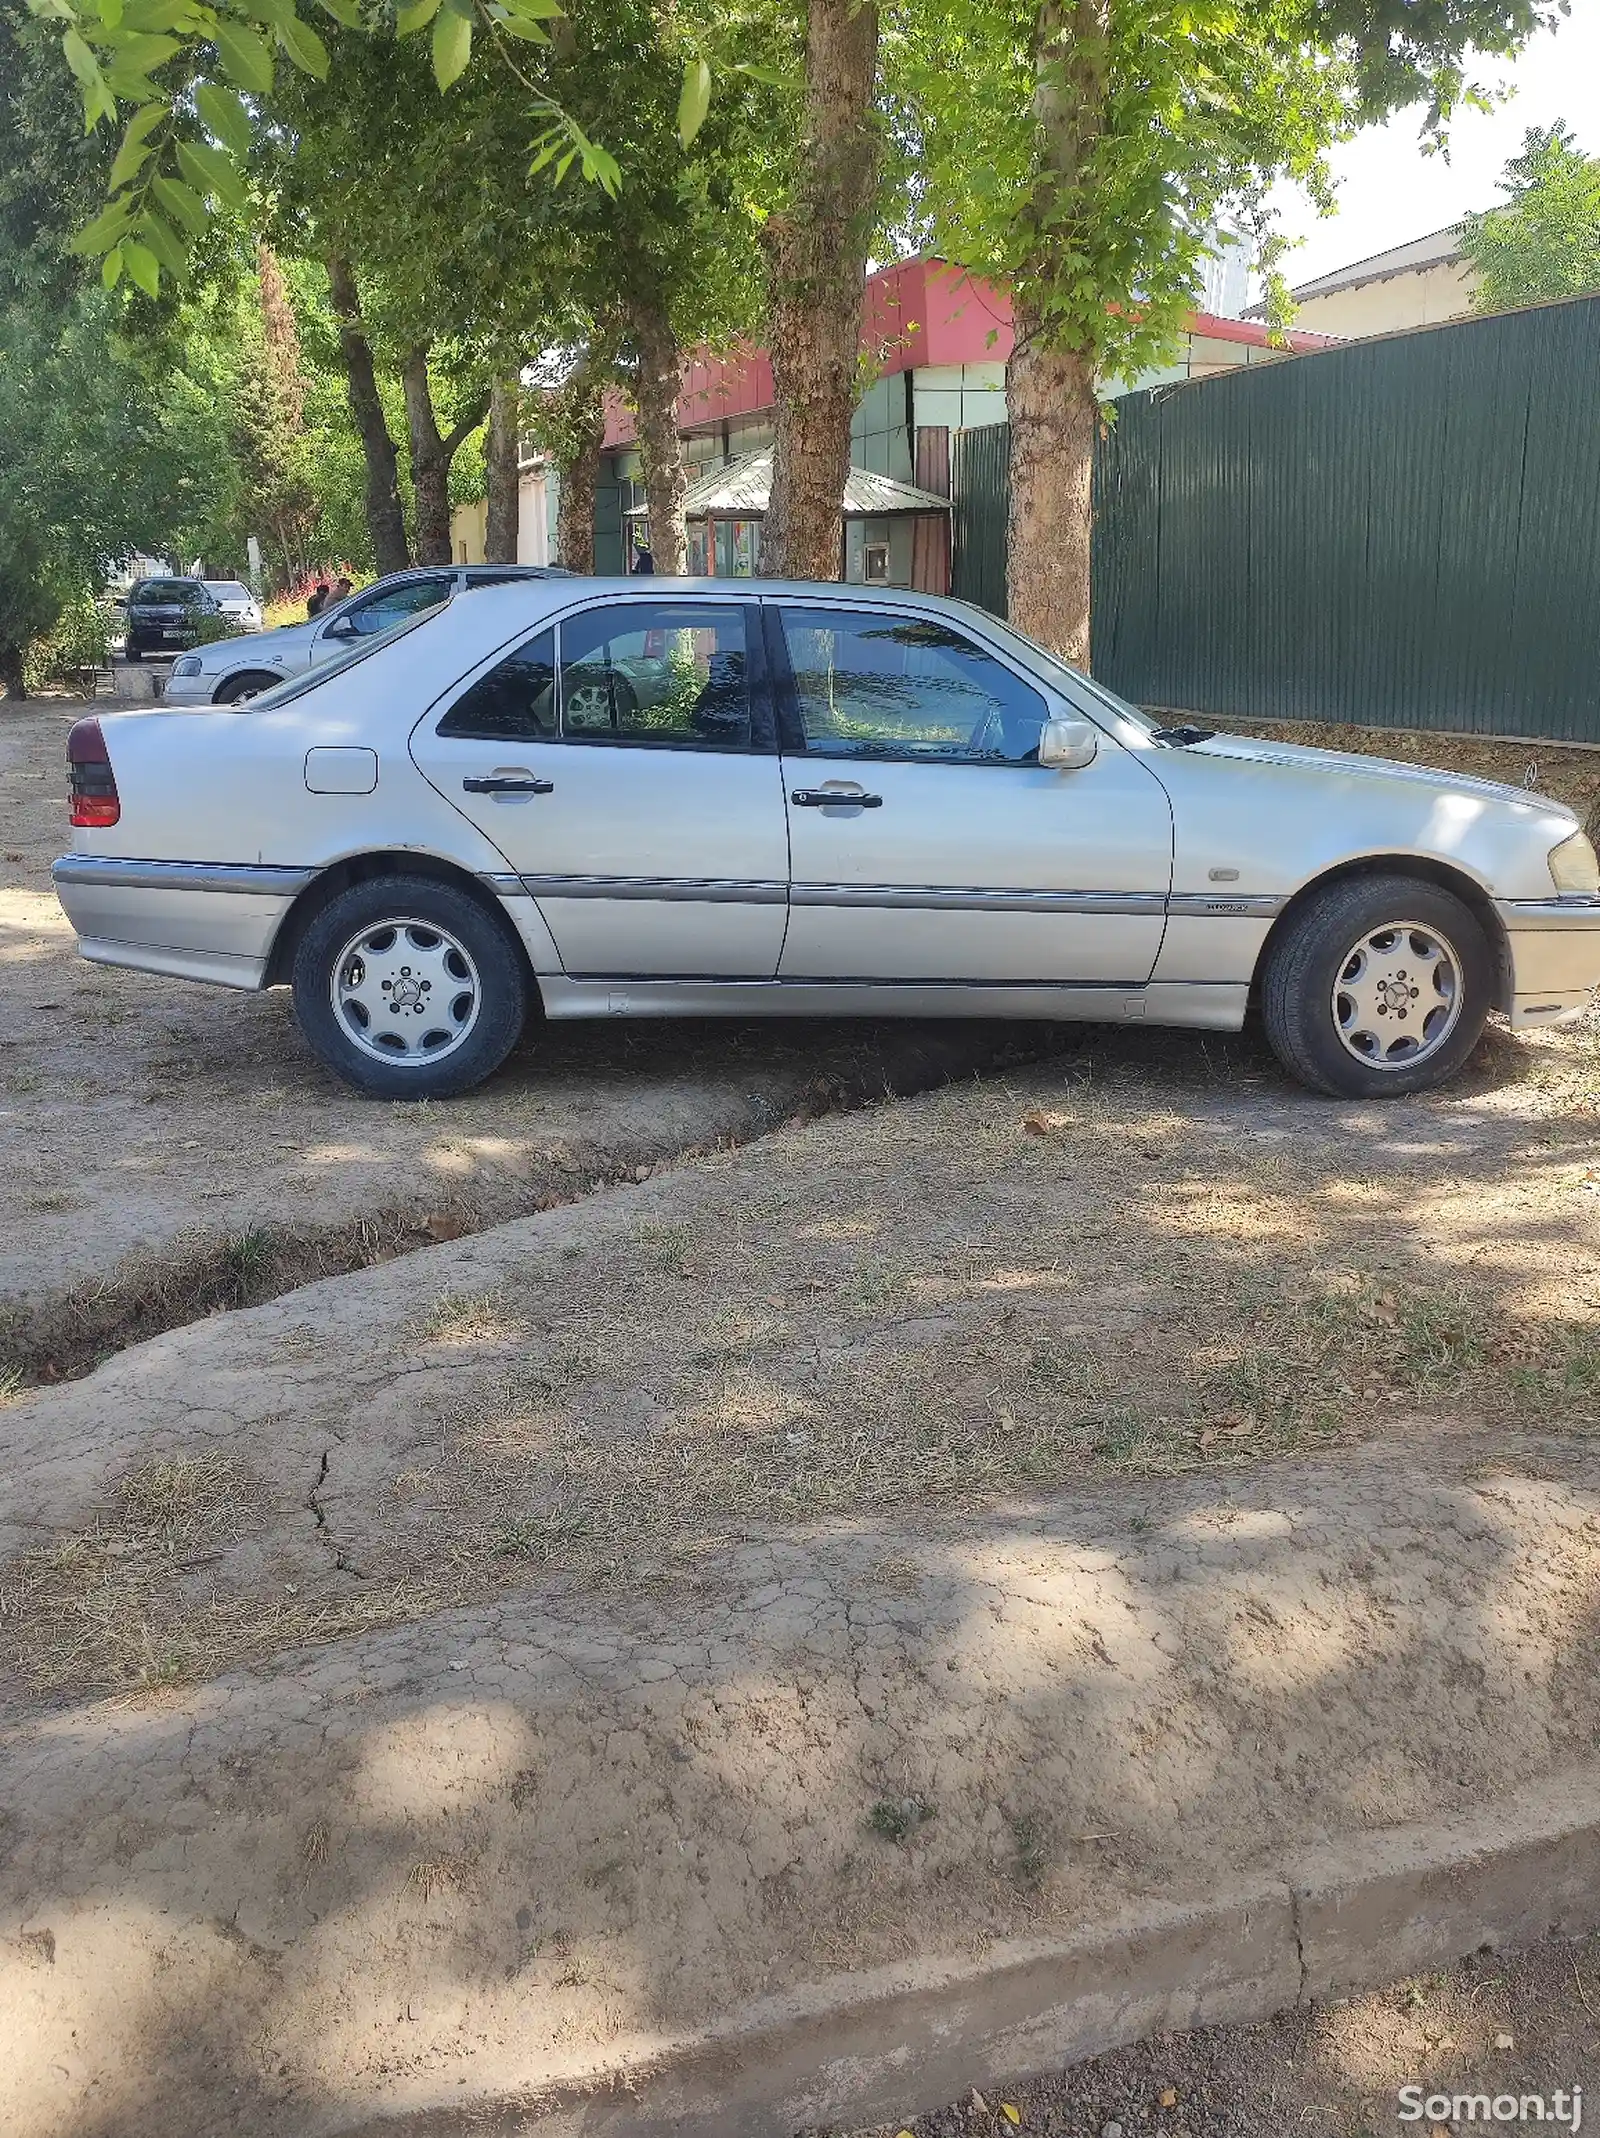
(185,590)
(360,650)
(1073,683)
(229,589)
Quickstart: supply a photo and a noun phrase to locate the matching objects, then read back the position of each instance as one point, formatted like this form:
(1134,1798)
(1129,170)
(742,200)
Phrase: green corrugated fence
(1399,533)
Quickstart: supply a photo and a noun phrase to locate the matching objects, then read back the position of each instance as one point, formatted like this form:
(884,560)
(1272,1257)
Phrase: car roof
(833,591)
(512,571)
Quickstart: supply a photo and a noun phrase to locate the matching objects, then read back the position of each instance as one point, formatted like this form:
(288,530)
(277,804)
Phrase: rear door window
(661,674)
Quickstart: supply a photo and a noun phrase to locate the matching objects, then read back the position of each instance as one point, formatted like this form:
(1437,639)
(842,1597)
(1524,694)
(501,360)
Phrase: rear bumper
(188,920)
(1555,957)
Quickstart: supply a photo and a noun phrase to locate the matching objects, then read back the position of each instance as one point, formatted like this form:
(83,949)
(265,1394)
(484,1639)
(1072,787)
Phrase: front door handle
(508,786)
(834,798)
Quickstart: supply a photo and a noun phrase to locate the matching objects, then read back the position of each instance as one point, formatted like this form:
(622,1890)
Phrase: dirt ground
(167,1149)
(927,1526)
(1524,2023)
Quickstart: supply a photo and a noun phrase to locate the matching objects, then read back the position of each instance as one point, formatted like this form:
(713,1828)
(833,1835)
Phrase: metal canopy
(739,491)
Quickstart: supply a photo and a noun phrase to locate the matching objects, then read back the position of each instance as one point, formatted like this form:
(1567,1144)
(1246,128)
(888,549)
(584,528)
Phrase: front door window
(389,605)
(885,686)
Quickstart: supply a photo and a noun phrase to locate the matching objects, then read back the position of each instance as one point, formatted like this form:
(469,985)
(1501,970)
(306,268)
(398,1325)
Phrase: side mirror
(1068,745)
(342,627)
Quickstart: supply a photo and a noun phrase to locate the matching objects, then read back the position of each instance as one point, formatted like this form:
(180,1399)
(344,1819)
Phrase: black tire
(239,689)
(132,650)
(500,991)
(1319,944)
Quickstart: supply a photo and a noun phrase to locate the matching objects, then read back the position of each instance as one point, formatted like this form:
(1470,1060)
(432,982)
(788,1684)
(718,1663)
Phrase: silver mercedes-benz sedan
(637,798)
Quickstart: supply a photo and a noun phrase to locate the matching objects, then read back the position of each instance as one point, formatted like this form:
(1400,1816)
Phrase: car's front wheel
(239,690)
(1378,986)
(408,988)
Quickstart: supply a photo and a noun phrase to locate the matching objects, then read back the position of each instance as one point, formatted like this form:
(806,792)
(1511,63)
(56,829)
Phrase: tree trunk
(386,521)
(431,455)
(1050,382)
(579,468)
(816,271)
(11,662)
(660,369)
(281,336)
(1055,416)
(502,463)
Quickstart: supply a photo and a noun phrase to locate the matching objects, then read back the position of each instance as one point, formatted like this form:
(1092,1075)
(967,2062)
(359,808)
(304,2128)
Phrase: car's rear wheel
(409,989)
(239,690)
(133,650)
(1378,986)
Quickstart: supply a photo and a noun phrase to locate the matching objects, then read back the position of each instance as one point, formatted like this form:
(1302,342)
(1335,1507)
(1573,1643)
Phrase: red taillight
(91,783)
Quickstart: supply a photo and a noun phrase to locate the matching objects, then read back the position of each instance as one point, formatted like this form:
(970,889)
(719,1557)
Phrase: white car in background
(676,797)
(236,602)
(235,670)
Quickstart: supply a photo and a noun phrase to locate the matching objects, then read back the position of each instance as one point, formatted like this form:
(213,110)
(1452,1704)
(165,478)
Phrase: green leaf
(224,116)
(694,100)
(111,267)
(774,77)
(111,13)
(160,14)
(602,169)
(104,231)
(534,10)
(452,46)
(344,11)
(408,20)
(520,26)
(80,59)
(210,171)
(165,245)
(130,85)
(183,204)
(304,47)
(142,266)
(141,52)
(246,56)
(131,158)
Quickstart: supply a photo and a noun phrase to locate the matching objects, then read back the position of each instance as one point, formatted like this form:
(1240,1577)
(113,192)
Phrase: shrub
(78,644)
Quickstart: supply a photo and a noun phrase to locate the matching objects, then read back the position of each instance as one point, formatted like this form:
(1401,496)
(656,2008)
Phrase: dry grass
(144,1599)
(441,1874)
(1001,1298)
(457,1318)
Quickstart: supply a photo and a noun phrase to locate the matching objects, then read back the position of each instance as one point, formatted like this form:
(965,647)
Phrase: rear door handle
(508,786)
(834,798)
